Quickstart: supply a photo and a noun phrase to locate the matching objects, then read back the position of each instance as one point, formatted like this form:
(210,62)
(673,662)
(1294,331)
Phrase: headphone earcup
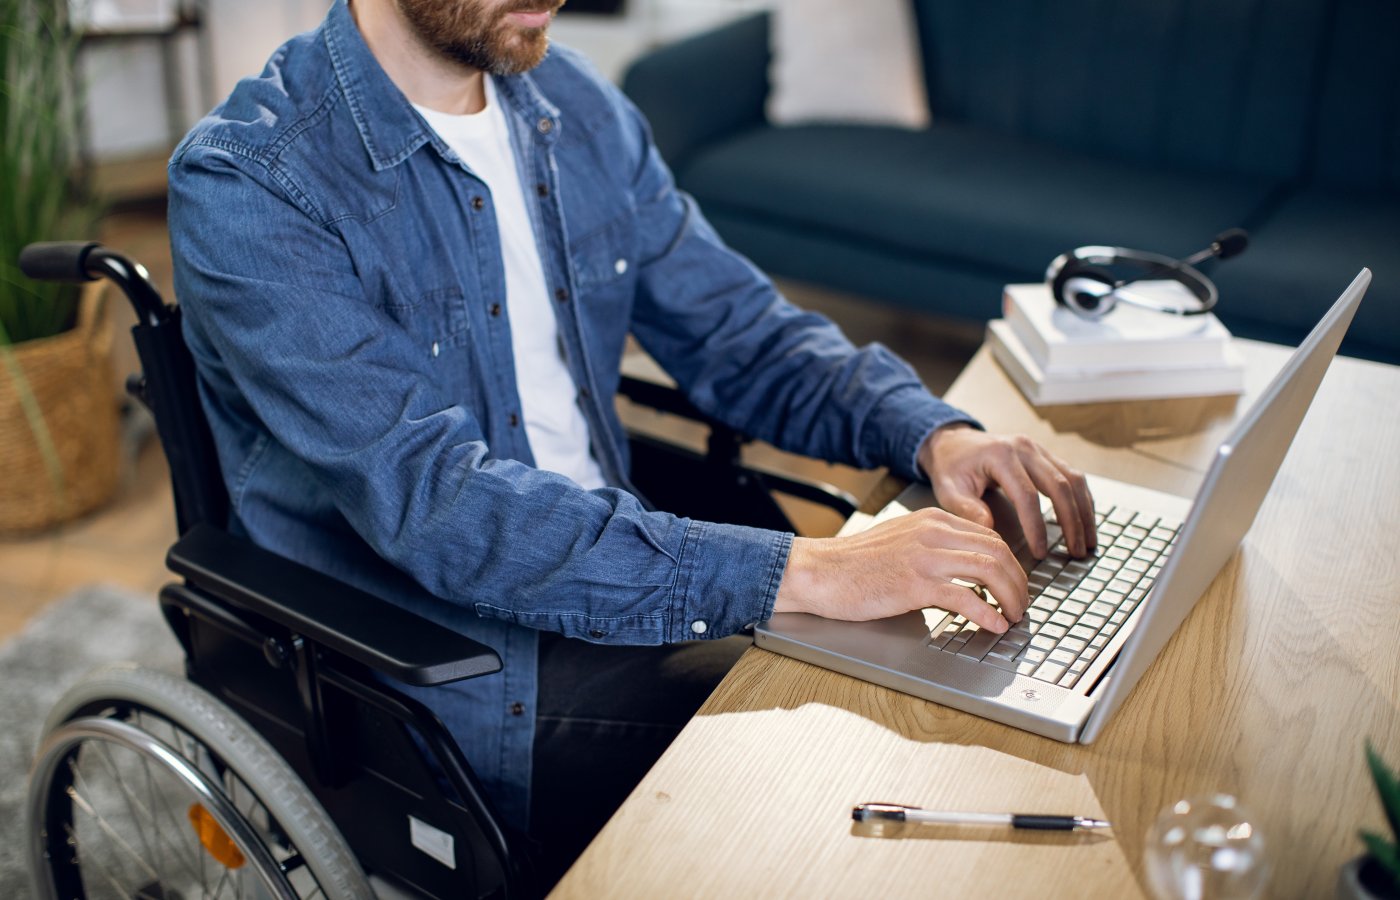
(1086,290)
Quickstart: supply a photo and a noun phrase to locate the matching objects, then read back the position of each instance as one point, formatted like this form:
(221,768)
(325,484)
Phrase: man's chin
(523,55)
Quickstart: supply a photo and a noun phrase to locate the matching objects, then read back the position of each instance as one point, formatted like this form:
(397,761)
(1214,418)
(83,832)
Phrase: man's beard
(475,33)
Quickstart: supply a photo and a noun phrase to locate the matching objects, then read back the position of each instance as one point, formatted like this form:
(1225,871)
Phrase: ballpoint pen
(894,812)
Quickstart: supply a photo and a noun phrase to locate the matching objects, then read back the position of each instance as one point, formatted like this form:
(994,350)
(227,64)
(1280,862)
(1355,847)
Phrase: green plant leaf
(1385,853)
(1388,786)
(41,197)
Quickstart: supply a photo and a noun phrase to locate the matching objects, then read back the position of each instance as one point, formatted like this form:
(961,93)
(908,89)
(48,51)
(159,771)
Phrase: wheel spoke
(190,860)
(132,804)
(219,888)
(102,870)
(111,832)
(187,849)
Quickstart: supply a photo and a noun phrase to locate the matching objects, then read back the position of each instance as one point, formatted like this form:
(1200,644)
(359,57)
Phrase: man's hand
(963,463)
(910,562)
(906,563)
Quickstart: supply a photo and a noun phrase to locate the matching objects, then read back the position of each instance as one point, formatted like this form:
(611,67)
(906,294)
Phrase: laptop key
(1006,665)
(1075,608)
(940,640)
(978,645)
(1062,657)
(1050,672)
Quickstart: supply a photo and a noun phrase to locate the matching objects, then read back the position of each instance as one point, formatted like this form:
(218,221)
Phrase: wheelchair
(286,763)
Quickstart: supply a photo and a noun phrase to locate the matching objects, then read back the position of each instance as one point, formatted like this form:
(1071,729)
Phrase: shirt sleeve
(746,356)
(290,346)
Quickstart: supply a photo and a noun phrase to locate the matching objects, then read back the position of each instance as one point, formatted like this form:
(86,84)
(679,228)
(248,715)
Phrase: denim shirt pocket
(436,318)
(605,261)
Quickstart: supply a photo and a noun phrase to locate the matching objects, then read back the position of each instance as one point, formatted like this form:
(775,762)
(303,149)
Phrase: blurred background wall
(126,75)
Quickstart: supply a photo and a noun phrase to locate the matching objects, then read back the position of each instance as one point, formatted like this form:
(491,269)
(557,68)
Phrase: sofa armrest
(703,88)
(341,618)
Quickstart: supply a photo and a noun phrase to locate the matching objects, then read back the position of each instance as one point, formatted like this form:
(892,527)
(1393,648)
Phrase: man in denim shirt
(352,295)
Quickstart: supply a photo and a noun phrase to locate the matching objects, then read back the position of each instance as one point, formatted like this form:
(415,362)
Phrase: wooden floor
(124,544)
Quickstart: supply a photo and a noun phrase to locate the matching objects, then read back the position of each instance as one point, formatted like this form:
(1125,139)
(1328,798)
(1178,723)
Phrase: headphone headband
(1081,280)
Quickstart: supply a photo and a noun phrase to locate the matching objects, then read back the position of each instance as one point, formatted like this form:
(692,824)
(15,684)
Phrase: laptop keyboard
(1078,605)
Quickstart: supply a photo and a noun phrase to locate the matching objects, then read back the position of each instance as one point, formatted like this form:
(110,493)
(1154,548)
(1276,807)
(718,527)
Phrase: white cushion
(846,61)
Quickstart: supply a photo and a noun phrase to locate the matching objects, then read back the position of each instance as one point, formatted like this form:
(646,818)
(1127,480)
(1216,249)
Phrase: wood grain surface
(1288,662)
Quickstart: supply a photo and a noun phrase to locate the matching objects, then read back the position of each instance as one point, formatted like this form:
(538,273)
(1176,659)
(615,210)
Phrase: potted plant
(58,423)
(1376,874)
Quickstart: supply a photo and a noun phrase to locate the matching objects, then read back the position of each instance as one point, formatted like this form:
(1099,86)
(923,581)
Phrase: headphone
(1082,281)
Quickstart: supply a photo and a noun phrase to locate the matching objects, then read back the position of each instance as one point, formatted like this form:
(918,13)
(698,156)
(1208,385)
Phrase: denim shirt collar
(388,124)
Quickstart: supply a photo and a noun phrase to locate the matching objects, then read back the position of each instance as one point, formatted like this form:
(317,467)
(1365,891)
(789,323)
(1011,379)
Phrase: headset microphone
(1083,279)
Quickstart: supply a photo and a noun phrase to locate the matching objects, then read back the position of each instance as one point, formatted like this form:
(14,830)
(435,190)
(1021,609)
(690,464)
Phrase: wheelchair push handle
(57,261)
(80,261)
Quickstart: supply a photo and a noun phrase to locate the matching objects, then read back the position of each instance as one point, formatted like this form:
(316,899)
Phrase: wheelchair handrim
(64,742)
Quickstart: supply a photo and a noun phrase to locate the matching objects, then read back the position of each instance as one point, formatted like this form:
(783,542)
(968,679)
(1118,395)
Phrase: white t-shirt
(554,425)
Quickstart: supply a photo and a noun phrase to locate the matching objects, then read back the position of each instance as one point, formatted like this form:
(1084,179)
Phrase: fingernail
(1001,625)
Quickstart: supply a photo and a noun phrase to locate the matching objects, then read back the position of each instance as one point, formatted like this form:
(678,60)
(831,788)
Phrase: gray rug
(89,628)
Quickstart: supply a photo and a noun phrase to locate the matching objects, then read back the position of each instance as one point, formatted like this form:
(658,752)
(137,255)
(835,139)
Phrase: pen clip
(880,812)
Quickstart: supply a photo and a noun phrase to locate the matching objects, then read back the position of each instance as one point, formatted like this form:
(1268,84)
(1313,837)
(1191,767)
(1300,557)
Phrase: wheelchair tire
(143,713)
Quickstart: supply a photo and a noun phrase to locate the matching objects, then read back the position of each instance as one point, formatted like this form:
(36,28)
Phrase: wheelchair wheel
(146,786)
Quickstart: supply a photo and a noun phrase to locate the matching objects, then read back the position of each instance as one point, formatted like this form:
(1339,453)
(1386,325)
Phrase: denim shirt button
(517,708)
(542,189)
(595,633)
(545,126)
(495,309)
(435,348)
(620,267)
(514,420)
(478,203)
(562,295)
(699,626)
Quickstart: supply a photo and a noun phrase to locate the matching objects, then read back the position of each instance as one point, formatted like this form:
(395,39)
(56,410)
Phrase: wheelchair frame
(303,658)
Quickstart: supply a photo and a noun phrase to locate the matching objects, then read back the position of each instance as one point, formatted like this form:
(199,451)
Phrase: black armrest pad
(328,612)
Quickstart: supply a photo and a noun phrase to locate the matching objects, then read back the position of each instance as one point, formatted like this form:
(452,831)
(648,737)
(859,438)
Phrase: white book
(1098,385)
(1129,336)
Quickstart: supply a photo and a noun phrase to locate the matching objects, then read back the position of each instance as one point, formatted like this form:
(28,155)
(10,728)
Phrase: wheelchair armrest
(661,397)
(349,621)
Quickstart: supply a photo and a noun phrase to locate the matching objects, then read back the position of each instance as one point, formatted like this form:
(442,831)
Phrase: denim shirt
(344,298)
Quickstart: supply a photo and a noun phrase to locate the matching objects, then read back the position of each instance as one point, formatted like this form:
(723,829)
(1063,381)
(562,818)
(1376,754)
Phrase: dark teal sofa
(1057,123)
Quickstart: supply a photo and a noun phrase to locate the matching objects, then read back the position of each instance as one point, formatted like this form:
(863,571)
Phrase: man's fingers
(992,566)
(1010,474)
(1054,483)
(966,506)
(965,602)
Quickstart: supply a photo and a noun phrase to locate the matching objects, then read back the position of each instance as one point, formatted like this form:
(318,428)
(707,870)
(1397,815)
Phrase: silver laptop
(1094,625)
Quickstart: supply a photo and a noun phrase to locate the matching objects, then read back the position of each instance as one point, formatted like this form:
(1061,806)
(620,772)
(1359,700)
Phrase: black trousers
(605,714)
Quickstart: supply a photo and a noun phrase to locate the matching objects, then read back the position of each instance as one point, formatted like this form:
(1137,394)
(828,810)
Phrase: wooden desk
(1281,670)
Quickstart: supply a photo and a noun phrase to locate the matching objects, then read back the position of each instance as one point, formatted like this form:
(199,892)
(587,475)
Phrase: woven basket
(69,376)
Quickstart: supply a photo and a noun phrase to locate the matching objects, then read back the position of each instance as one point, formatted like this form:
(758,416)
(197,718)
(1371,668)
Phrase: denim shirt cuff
(727,581)
(905,418)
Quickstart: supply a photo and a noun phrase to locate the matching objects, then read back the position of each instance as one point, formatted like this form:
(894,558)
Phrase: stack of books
(1132,353)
